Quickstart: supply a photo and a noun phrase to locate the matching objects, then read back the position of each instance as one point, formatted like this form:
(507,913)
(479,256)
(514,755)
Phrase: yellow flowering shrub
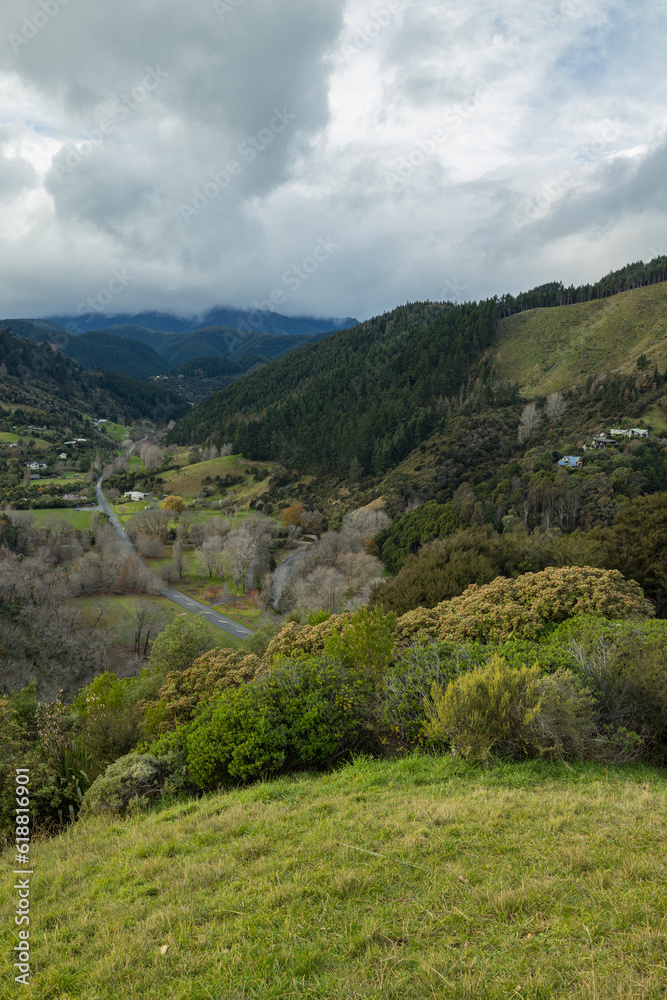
(521,608)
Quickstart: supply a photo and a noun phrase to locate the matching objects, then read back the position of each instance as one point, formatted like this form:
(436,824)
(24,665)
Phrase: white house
(135,495)
(639,432)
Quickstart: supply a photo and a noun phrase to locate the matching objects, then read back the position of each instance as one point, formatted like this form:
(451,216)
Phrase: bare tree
(210,555)
(324,588)
(240,548)
(148,623)
(177,556)
(555,406)
(365,523)
(149,546)
(529,422)
(152,457)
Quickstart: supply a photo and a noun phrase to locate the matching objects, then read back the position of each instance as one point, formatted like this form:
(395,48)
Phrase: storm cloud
(207,150)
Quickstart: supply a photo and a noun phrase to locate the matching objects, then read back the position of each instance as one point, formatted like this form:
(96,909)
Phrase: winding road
(189,603)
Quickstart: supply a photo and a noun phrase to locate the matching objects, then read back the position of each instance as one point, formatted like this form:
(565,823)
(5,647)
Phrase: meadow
(546,350)
(79,519)
(419,877)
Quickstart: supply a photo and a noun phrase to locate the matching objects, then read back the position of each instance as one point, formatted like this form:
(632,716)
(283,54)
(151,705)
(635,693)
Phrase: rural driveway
(189,603)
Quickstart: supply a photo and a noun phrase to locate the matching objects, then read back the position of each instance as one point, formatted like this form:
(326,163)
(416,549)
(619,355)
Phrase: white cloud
(463,146)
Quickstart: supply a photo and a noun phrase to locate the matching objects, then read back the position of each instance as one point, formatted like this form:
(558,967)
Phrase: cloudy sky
(331,157)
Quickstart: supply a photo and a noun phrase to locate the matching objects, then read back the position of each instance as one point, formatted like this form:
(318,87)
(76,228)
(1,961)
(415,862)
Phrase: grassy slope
(549,349)
(188,481)
(417,878)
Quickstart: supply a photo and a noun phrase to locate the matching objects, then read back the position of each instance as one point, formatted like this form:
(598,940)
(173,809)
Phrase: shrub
(109,720)
(366,642)
(524,607)
(48,745)
(240,740)
(626,666)
(307,713)
(407,682)
(171,749)
(184,691)
(299,640)
(520,712)
(131,781)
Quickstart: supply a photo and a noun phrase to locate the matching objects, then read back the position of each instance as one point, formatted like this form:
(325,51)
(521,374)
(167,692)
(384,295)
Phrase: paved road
(189,603)
(281,574)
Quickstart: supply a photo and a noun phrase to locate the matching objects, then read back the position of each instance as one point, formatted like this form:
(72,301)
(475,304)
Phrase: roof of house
(570,461)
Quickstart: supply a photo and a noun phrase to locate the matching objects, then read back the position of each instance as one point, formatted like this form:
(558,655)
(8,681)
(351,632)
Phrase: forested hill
(555,293)
(358,401)
(35,375)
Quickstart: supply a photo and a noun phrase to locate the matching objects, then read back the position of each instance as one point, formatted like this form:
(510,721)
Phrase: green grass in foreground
(422,877)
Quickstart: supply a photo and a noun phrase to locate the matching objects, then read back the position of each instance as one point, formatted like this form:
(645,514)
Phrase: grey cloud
(205,202)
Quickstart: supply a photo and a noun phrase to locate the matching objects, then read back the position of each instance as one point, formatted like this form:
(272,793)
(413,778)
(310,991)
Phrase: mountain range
(152,344)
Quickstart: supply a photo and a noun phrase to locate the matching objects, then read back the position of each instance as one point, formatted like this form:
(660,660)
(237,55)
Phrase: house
(639,432)
(62,454)
(604,441)
(616,432)
(135,495)
(571,462)
(36,466)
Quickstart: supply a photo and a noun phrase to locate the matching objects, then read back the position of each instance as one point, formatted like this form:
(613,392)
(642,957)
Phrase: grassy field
(116,431)
(8,437)
(79,519)
(188,481)
(422,877)
(546,349)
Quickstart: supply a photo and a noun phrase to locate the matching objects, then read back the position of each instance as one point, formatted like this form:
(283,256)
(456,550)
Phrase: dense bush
(520,712)
(108,719)
(309,640)
(626,664)
(44,739)
(307,713)
(184,691)
(522,608)
(442,570)
(131,781)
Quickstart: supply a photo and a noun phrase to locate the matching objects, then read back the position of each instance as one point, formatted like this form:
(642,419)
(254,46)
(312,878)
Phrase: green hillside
(357,402)
(552,349)
(35,376)
(103,351)
(423,877)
